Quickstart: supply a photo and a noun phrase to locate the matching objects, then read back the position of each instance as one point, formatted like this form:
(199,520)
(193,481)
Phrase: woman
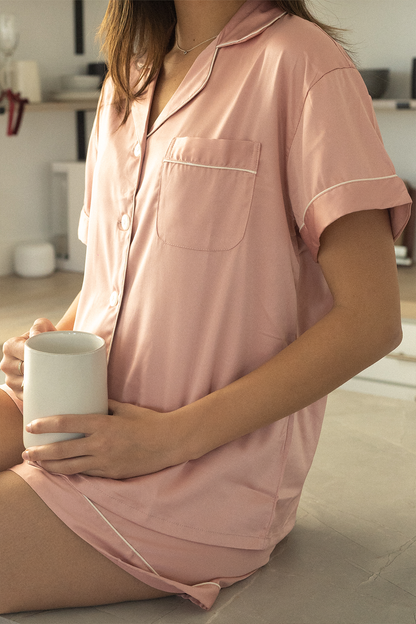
(240,213)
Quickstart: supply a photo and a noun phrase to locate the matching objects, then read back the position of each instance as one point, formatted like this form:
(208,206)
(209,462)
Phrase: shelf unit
(91,105)
(408,236)
(74,105)
(394,104)
(79,107)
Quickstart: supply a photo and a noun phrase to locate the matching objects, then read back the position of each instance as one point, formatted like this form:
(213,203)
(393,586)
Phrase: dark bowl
(376,81)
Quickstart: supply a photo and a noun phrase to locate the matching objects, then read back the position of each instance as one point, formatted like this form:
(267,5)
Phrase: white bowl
(34,259)
(80,83)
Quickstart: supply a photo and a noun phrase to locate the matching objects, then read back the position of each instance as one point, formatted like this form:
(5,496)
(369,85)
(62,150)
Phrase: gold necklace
(190,49)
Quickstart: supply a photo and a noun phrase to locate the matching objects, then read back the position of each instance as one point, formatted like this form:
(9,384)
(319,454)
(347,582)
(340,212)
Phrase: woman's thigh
(44,565)
(11,433)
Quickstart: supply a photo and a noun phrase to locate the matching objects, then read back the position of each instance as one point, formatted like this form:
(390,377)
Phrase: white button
(137,150)
(125,222)
(114,299)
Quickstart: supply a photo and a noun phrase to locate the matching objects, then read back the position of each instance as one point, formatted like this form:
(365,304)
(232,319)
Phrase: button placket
(125,222)
(124,225)
(134,162)
(114,299)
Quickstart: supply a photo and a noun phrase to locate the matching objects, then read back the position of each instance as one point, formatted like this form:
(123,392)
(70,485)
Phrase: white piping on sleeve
(185,162)
(121,537)
(342,184)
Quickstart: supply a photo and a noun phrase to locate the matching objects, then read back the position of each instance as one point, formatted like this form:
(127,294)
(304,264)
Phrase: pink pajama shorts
(192,570)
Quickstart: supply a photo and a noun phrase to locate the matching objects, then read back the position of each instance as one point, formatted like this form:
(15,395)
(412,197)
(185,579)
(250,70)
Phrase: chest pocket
(206,191)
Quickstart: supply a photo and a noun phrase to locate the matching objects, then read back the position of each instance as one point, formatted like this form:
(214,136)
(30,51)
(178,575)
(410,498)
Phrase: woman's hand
(130,442)
(12,363)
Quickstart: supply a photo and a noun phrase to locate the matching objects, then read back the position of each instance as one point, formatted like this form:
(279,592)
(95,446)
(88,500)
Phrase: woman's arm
(358,261)
(68,319)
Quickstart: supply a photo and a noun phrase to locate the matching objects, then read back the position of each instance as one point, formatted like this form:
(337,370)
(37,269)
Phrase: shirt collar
(251,19)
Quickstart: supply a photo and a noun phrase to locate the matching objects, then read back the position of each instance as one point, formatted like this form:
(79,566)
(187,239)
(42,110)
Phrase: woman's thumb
(40,326)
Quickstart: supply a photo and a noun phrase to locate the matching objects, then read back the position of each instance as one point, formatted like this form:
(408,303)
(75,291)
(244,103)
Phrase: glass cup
(9,39)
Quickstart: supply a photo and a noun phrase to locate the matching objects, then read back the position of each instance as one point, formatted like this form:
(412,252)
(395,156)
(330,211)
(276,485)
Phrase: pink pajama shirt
(202,236)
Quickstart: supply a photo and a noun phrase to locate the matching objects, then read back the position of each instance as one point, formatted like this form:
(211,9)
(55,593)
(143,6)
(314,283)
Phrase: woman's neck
(198,20)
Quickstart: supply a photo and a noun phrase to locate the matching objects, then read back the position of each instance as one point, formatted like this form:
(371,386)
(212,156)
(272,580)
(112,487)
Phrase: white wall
(382,34)
(47,35)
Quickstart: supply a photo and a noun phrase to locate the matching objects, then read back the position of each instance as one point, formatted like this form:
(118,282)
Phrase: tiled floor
(351,558)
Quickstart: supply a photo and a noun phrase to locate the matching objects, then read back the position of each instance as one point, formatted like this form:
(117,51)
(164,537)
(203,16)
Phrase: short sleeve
(89,175)
(83,227)
(337,162)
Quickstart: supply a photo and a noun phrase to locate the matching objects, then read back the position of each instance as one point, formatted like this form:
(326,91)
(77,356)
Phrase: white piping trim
(120,536)
(252,34)
(134,550)
(200,87)
(185,162)
(342,184)
(161,120)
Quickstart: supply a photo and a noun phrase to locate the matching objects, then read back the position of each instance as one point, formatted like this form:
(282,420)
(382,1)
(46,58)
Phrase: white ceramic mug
(65,373)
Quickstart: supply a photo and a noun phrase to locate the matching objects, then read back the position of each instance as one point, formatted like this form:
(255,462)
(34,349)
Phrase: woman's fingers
(12,363)
(14,349)
(66,423)
(57,451)
(67,457)
(40,326)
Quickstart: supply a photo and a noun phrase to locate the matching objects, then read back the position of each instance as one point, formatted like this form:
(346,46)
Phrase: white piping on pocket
(121,537)
(343,184)
(185,162)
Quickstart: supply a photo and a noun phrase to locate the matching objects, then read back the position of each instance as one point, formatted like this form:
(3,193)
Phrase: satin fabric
(202,238)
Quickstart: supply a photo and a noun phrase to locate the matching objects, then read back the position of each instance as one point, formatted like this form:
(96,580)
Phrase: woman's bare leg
(11,433)
(44,565)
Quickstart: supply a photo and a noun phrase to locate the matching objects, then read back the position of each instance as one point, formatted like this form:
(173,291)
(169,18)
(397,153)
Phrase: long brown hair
(145,29)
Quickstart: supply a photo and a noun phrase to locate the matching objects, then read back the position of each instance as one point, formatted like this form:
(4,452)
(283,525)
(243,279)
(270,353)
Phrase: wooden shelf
(91,105)
(74,105)
(394,104)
